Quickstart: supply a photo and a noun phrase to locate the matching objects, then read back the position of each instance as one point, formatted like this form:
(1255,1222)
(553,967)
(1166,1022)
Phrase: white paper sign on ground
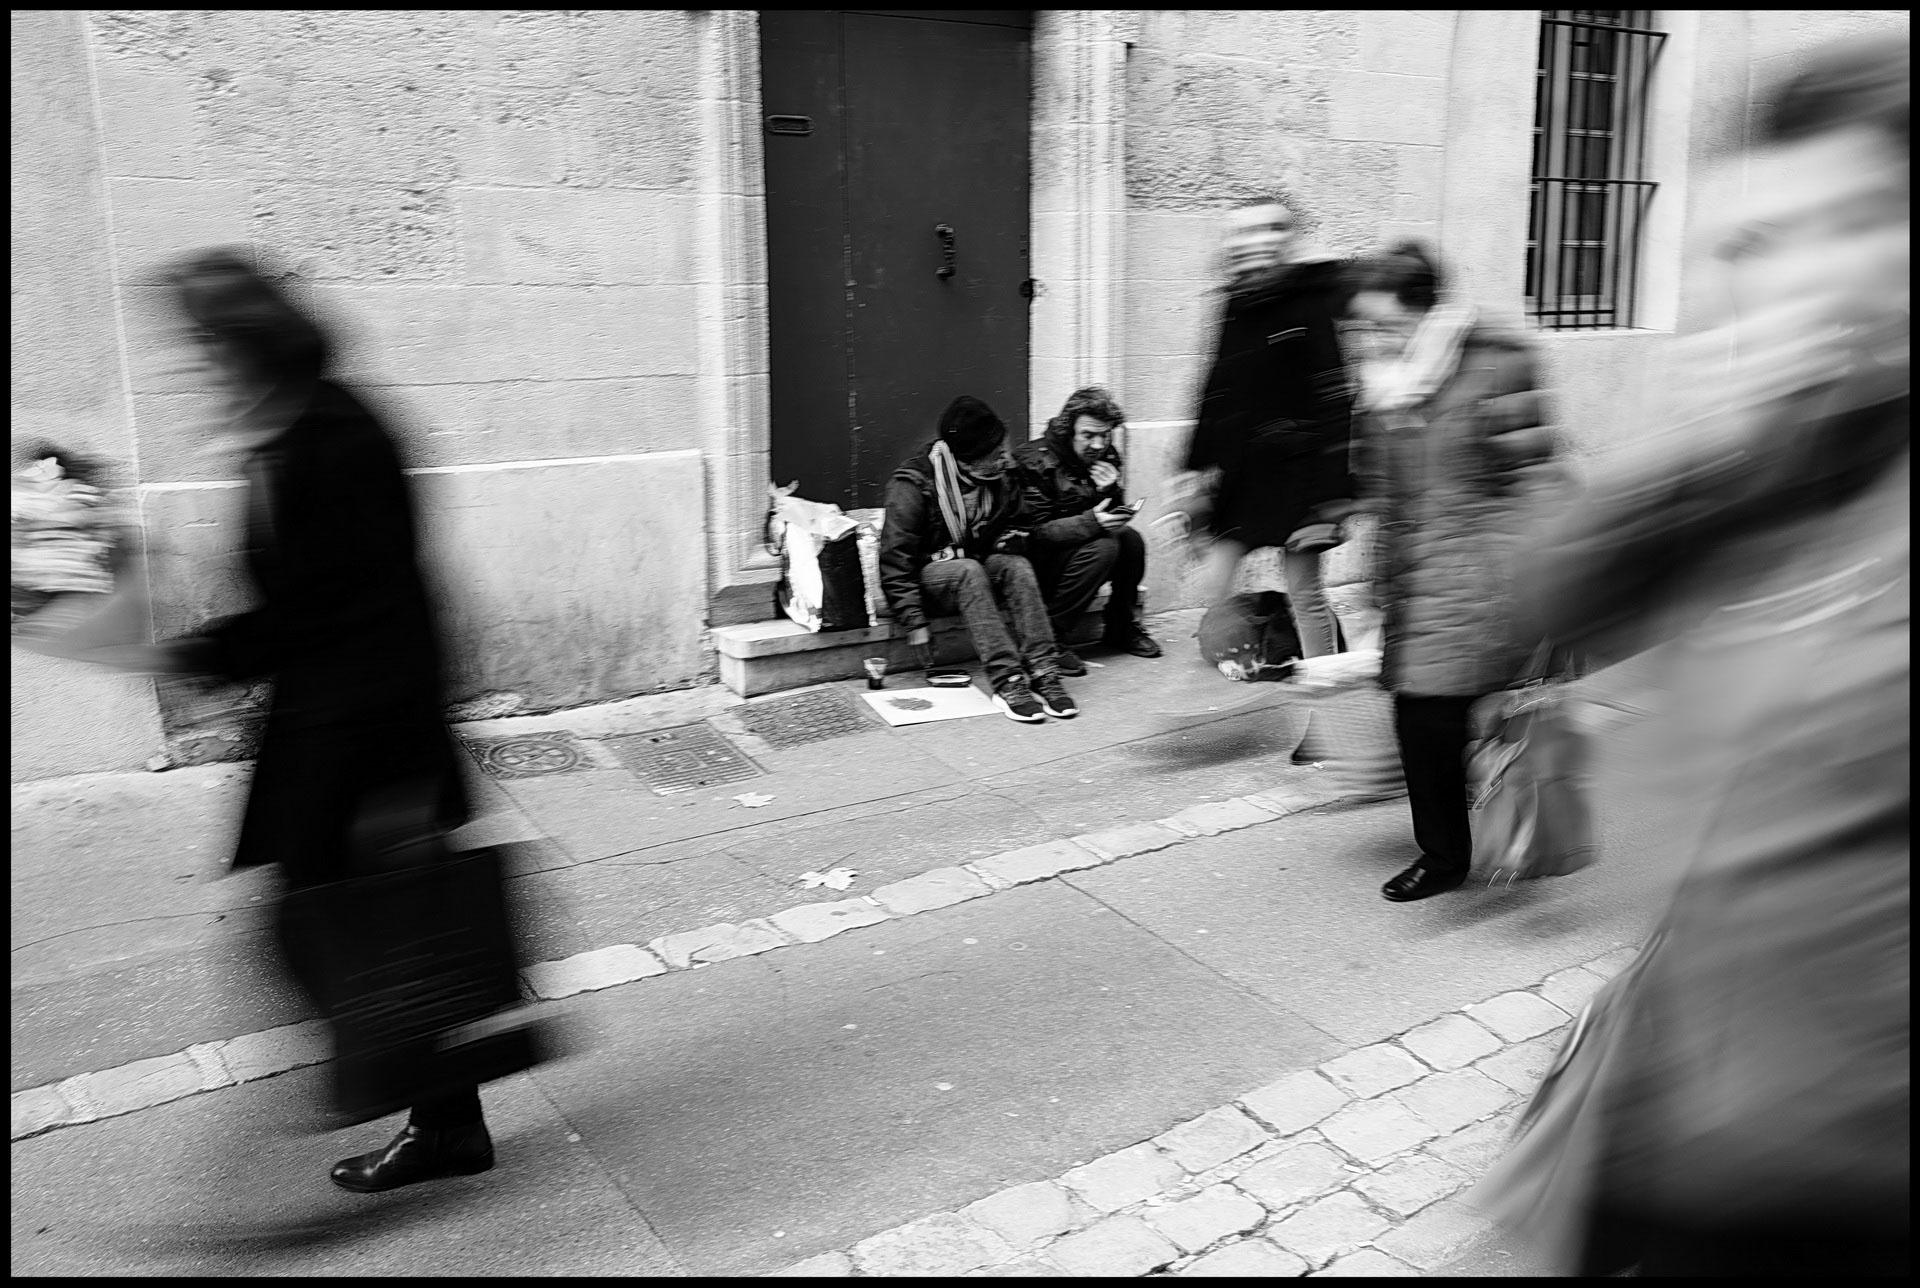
(922,706)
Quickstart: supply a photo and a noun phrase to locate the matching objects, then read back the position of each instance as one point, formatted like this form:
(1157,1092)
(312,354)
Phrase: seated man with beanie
(950,545)
(1080,534)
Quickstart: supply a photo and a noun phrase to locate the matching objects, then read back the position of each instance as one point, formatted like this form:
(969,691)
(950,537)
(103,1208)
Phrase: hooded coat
(1276,417)
(914,530)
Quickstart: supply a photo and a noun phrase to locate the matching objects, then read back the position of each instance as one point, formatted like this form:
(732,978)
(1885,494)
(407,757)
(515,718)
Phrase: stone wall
(497,211)
(1376,125)
(538,234)
(67,384)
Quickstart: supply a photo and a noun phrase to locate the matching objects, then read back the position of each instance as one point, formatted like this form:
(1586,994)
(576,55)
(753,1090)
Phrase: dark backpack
(1256,631)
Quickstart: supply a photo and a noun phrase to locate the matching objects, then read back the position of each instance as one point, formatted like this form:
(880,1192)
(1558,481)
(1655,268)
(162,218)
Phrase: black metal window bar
(1590,192)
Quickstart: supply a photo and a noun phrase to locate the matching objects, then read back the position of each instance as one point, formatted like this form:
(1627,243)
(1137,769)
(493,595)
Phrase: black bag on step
(1254,632)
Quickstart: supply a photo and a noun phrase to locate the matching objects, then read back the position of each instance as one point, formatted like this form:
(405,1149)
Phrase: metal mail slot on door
(789,125)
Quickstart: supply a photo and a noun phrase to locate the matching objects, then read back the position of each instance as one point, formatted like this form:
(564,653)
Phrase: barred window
(1590,190)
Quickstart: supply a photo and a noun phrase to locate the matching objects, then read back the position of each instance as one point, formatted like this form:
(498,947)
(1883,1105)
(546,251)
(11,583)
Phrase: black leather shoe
(417,1155)
(1132,640)
(1420,883)
(1070,663)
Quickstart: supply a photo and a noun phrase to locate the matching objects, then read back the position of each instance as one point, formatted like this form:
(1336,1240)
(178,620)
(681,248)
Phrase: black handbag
(413,963)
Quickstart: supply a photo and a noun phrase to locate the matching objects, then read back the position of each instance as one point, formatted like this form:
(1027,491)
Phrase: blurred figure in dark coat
(345,631)
(1736,1103)
(1268,460)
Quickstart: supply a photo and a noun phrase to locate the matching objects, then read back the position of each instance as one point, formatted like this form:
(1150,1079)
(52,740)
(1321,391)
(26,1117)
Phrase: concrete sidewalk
(802,1097)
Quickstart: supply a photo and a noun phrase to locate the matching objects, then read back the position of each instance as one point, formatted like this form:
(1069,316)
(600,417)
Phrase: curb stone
(204,1067)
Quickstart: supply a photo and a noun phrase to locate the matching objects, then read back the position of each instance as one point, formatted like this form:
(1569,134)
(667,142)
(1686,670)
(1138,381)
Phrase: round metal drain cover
(528,756)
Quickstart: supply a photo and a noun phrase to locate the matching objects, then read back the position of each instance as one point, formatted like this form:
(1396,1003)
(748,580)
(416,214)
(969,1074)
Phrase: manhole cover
(531,755)
(804,717)
(683,759)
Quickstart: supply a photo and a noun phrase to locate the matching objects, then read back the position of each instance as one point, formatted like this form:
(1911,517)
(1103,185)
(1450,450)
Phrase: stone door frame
(1077,225)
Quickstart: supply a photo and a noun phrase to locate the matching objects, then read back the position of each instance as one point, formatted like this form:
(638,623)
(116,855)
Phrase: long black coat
(1276,417)
(345,630)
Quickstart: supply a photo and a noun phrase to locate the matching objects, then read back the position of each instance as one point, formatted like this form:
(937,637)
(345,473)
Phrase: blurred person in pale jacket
(1736,1102)
(1457,455)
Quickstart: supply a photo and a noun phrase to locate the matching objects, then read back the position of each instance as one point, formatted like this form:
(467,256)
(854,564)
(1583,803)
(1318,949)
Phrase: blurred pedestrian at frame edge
(1080,524)
(1268,460)
(344,629)
(1455,455)
(1737,1102)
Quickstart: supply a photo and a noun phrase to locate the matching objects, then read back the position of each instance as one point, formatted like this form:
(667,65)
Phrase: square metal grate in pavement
(529,755)
(805,717)
(683,759)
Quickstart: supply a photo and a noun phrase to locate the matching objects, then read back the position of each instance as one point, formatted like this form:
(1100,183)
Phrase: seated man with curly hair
(1081,524)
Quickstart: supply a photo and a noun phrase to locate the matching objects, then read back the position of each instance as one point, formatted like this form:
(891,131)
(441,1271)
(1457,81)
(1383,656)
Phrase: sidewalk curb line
(617,964)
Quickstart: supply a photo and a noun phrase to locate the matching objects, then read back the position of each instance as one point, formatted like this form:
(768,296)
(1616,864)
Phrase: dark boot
(417,1154)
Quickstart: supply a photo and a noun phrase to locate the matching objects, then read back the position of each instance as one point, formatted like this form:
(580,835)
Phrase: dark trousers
(1433,736)
(1006,614)
(1071,576)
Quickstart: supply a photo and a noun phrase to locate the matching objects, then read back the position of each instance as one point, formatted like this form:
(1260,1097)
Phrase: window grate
(1589,192)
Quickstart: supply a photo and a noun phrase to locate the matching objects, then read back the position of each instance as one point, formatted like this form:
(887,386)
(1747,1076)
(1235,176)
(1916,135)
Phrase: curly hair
(1091,401)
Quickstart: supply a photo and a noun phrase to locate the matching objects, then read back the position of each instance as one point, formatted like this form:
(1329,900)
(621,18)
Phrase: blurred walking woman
(344,629)
(1455,456)
(1736,1103)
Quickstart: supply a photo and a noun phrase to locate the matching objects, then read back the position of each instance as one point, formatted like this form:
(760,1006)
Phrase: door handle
(945,233)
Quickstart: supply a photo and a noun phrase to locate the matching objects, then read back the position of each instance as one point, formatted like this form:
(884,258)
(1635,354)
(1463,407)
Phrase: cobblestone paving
(1354,1168)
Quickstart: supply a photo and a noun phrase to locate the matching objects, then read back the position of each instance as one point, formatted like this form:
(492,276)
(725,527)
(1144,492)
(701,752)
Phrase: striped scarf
(947,490)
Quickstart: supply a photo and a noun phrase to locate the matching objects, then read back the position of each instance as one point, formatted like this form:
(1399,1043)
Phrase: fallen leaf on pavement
(833,878)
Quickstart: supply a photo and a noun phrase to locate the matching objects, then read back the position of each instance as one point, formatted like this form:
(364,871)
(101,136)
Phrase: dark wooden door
(882,127)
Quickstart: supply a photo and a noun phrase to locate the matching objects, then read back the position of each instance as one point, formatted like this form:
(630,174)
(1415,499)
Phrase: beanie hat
(969,427)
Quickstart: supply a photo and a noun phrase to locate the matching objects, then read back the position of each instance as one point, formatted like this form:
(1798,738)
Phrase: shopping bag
(415,969)
(822,584)
(1530,814)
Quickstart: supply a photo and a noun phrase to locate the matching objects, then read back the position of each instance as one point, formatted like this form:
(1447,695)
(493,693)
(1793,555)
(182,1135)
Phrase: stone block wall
(1378,125)
(498,212)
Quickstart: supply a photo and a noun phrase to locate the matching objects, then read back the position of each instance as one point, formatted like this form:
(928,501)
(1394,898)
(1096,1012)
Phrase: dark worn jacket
(1455,495)
(915,531)
(1276,416)
(1058,490)
(344,628)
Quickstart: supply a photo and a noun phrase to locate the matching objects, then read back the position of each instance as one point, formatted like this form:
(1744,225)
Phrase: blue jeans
(1006,614)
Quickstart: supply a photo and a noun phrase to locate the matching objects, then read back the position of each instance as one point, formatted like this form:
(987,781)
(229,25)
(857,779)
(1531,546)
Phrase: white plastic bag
(822,587)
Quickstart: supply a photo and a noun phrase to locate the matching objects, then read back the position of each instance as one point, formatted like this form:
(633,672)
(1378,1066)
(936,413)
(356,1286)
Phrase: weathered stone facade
(541,235)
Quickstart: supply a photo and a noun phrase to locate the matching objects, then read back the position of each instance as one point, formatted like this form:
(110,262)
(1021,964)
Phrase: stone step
(767,657)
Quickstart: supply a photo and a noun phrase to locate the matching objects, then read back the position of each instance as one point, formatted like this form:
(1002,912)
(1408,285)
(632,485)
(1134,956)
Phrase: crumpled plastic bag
(63,537)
